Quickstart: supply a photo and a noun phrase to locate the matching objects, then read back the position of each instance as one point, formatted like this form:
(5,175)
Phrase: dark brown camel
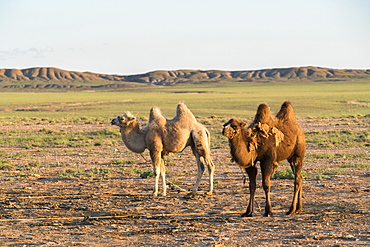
(269,140)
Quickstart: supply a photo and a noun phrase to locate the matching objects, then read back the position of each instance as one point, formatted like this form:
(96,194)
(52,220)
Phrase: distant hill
(48,77)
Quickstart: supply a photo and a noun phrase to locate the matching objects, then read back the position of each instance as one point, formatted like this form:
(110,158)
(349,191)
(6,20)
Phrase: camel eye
(234,127)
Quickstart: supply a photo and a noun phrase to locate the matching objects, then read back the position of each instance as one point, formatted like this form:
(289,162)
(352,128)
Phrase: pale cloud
(26,53)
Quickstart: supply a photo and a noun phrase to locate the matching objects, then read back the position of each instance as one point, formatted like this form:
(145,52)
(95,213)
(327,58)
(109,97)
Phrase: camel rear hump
(183,112)
(286,112)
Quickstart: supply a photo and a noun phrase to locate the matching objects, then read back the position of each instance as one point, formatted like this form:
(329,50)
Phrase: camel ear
(131,118)
(242,125)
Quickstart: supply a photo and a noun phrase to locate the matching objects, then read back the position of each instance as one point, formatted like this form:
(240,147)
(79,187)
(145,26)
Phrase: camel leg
(163,174)
(296,206)
(201,162)
(252,174)
(200,147)
(211,171)
(201,169)
(267,169)
(156,160)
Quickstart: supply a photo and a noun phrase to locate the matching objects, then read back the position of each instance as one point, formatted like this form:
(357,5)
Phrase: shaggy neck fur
(133,137)
(239,151)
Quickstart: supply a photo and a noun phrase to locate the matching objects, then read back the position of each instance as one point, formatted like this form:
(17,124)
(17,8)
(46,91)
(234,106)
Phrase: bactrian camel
(162,136)
(268,139)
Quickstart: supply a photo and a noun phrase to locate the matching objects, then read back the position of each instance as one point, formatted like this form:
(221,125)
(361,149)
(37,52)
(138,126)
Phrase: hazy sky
(137,36)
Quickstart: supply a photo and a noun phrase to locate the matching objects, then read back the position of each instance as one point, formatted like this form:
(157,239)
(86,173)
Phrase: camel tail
(286,112)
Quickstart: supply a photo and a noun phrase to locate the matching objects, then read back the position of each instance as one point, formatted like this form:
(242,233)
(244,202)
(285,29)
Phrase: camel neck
(133,138)
(238,148)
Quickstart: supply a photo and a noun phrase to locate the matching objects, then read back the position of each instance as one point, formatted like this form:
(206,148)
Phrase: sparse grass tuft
(175,182)
(148,173)
(4,165)
(122,162)
(89,174)
(287,173)
(338,138)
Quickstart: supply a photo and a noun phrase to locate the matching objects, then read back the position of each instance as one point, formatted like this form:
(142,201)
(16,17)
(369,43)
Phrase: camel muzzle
(228,132)
(115,121)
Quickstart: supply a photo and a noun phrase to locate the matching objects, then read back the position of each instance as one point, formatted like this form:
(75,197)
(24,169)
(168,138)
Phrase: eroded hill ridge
(163,77)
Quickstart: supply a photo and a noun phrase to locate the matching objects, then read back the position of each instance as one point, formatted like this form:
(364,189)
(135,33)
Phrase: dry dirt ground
(47,210)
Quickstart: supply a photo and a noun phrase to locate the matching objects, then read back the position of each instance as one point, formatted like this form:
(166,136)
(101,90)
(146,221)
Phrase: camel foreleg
(252,174)
(163,174)
(158,170)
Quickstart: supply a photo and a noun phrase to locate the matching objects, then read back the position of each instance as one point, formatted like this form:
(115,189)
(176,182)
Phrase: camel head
(125,120)
(233,128)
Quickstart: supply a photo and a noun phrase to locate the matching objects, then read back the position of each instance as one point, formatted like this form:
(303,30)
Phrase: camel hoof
(191,195)
(247,215)
(209,193)
(293,212)
(268,215)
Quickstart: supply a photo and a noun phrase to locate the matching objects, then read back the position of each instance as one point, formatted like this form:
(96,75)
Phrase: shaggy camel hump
(263,115)
(183,112)
(183,115)
(286,112)
(155,114)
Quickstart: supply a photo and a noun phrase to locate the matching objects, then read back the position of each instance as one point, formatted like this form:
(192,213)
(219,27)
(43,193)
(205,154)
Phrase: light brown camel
(269,140)
(162,136)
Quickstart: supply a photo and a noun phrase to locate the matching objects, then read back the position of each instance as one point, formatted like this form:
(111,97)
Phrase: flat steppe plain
(72,194)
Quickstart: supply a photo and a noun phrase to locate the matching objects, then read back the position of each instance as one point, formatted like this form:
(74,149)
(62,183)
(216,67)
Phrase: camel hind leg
(296,165)
(202,162)
(267,167)
(201,169)
(201,150)
(211,172)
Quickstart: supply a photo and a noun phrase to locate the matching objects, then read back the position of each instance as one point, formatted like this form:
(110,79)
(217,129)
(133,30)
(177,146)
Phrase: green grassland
(310,99)
(212,103)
